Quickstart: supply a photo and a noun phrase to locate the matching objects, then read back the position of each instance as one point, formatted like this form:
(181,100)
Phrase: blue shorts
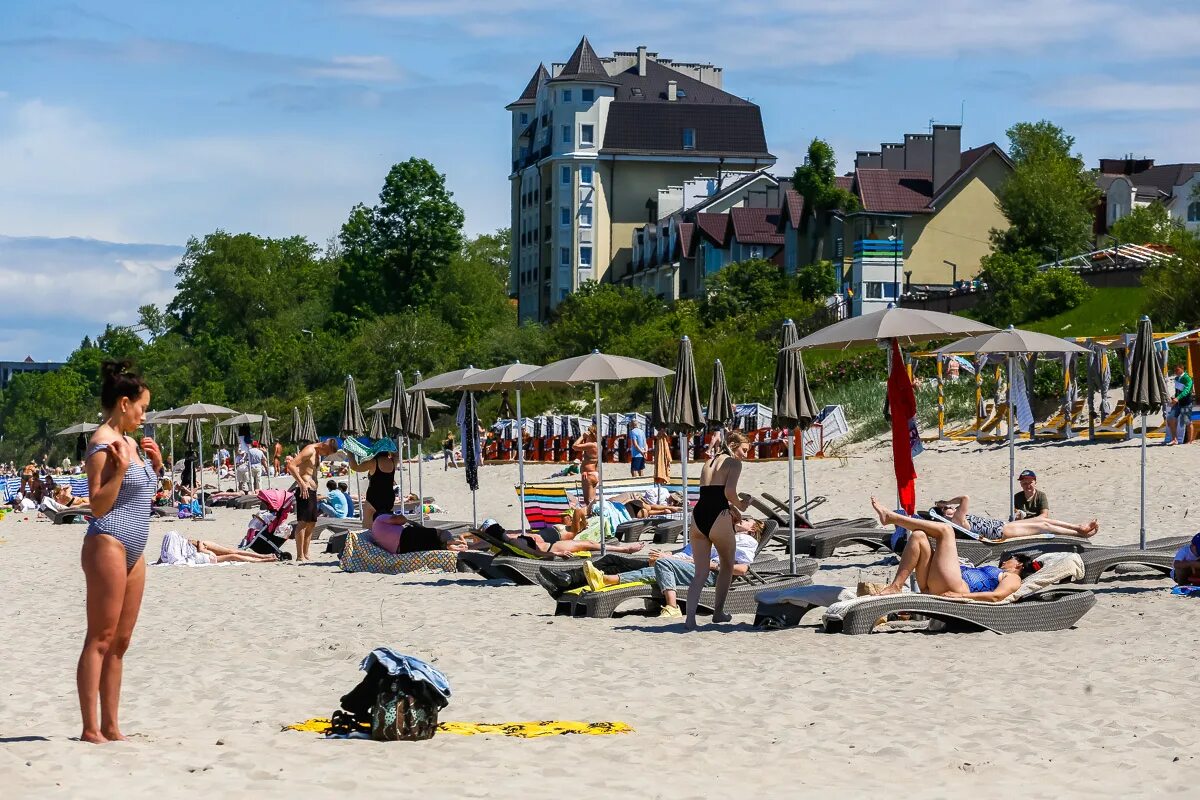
(637,463)
(1180,411)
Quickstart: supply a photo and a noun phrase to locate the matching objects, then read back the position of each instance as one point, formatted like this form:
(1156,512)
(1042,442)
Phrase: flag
(906,441)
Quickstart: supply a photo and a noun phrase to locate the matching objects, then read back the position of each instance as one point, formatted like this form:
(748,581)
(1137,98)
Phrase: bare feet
(114,735)
(93,737)
(880,511)
(627,548)
(1091,529)
(889,589)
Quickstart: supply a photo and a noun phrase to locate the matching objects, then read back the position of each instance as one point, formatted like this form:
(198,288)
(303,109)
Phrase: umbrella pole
(200,444)
(420,482)
(791,446)
(1012,444)
(600,472)
(400,448)
(521,457)
(1142,529)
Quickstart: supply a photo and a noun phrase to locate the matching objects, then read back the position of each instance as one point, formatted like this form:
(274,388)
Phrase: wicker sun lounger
(827,537)
(68,514)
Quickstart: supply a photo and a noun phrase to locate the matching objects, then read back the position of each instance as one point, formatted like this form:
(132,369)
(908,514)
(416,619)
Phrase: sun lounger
(1116,424)
(984,427)
(65,515)
(1058,426)
(822,541)
(1101,559)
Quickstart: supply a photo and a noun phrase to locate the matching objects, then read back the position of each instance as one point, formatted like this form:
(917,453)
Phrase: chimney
(867,159)
(918,152)
(892,155)
(672,91)
(947,154)
(641,60)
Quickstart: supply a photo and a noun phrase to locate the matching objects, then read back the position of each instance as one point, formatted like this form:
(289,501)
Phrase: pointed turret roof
(584,65)
(529,96)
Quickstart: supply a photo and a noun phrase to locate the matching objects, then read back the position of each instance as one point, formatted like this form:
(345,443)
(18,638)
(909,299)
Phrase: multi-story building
(10,369)
(593,141)
(927,210)
(1127,183)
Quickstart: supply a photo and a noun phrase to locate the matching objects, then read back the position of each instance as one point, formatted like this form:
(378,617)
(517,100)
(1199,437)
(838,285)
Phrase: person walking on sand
(714,519)
(121,485)
(303,468)
(448,453)
(637,450)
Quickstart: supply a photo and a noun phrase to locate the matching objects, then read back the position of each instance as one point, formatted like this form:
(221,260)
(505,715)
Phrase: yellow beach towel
(521,730)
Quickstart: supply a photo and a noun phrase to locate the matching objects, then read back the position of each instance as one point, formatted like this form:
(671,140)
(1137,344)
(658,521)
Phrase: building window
(564,216)
(585,176)
(1194,212)
(587,95)
(524,118)
(756,251)
(564,256)
(585,257)
(872,290)
(585,216)
(565,172)
(566,134)
(587,135)
(689,138)
(566,95)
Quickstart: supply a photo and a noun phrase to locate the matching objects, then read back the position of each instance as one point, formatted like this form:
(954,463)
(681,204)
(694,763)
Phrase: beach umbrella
(310,426)
(198,412)
(378,426)
(684,414)
(430,404)
(907,325)
(658,421)
(420,427)
(266,438)
(447,381)
(596,368)
(297,433)
(720,406)
(500,379)
(468,428)
(658,406)
(191,432)
(353,424)
(792,406)
(217,440)
(397,418)
(1147,393)
(243,419)
(1012,342)
(82,427)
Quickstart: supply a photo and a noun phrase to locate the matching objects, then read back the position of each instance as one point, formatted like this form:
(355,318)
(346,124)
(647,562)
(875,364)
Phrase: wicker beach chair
(827,536)
(1054,608)
(66,515)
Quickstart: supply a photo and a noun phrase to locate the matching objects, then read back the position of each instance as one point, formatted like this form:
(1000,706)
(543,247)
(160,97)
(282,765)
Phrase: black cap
(1028,473)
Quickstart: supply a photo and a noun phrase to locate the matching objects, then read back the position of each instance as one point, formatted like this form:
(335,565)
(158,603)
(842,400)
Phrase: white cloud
(1103,93)
(359,68)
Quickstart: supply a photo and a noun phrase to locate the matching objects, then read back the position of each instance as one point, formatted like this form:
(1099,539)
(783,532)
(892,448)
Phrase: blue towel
(1186,591)
(416,669)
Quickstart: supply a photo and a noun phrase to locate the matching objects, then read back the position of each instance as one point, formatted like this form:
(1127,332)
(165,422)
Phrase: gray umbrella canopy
(595,367)
(201,410)
(265,437)
(191,432)
(218,436)
(720,406)
(243,419)
(658,407)
(498,378)
(447,381)
(785,405)
(297,426)
(82,427)
(909,325)
(1012,340)
(1147,387)
(685,413)
(379,427)
(353,423)
(418,416)
(310,426)
(397,410)
(385,405)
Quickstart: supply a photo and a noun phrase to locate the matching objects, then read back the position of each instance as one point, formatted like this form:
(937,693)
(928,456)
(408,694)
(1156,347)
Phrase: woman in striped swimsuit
(121,484)
(997,530)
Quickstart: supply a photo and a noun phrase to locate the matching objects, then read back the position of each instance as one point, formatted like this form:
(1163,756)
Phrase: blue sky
(139,123)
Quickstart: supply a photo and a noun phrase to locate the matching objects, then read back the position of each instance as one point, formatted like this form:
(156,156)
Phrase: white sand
(224,656)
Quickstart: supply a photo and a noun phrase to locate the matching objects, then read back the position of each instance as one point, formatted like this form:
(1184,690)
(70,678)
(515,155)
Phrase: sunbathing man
(1186,570)
(220,554)
(936,562)
(396,533)
(303,467)
(589,457)
(549,540)
(955,510)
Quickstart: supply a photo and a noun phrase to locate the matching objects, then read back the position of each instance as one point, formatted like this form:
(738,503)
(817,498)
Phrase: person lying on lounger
(220,554)
(549,540)
(955,510)
(1186,570)
(397,534)
(928,549)
(668,570)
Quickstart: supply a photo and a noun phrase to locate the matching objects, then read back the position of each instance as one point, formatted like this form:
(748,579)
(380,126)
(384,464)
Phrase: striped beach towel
(546,502)
(78,483)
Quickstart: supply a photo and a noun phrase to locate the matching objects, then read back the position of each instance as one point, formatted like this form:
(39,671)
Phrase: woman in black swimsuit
(713,520)
(381,484)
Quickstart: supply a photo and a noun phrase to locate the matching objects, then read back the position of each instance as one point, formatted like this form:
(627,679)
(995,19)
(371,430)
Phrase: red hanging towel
(902,402)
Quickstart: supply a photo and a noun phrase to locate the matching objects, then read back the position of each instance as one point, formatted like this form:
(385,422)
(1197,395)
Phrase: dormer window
(689,138)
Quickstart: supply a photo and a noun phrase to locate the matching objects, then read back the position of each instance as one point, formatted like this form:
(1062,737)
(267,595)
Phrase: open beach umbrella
(420,427)
(447,381)
(792,406)
(1147,393)
(684,413)
(353,424)
(720,407)
(1012,342)
(199,412)
(509,376)
(242,419)
(908,325)
(82,427)
(266,438)
(378,428)
(596,368)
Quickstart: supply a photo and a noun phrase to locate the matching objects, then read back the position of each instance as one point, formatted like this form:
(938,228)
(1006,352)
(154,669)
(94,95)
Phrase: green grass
(1106,312)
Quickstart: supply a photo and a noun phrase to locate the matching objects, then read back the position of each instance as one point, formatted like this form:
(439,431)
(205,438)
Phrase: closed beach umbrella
(266,438)
(468,429)
(658,406)
(353,424)
(297,434)
(191,432)
(793,407)
(378,426)
(684,414)
(1147,393)
(420,427)
(397,419)
(720,406)
(658,421)
(310,426)
(595,368)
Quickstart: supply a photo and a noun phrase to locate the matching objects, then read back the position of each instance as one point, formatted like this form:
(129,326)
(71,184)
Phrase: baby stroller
(263,534)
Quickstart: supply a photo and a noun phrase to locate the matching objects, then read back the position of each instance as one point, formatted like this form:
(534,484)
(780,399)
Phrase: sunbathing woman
(937,566)
(220,554)
(955,510)
(63,496)
(713,521)
(549,541)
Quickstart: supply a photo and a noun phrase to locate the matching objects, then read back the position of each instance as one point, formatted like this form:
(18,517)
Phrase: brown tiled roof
(685,238)
(897,191)
(652,128)
(792,211)
(967,162)
(844,182)
(584,65)
(756,225)
(715,226)
(1162,179)
(529,96)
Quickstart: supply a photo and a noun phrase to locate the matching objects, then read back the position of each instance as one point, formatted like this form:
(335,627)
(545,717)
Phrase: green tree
(817,281)
(1020,292)
(394,252)
(816,181)
(742,287)
(1150,224)
(598,315)
(37,406)
(1173,284)
(1050,199)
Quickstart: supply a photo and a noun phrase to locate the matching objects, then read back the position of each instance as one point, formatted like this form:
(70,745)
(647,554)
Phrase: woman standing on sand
(121,483)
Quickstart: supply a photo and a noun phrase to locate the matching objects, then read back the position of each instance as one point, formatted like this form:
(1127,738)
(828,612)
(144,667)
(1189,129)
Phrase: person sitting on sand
(928,549)
(220,554)
(335,504)
(1186,571)
(550,541)
(955,510)
(396,534)
(1031,501)
(668,570)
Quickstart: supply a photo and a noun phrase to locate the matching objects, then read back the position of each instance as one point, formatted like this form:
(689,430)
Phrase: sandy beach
(224,656)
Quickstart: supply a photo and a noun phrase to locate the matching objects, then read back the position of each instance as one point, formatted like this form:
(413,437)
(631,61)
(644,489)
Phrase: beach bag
(398,716)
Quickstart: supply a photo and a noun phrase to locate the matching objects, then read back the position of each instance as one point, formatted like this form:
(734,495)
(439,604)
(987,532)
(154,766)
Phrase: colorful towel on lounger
(361,555)
(520,730)
(364,448)
(547,501)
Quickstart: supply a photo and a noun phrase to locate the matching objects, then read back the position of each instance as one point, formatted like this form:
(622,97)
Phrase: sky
(128,126)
